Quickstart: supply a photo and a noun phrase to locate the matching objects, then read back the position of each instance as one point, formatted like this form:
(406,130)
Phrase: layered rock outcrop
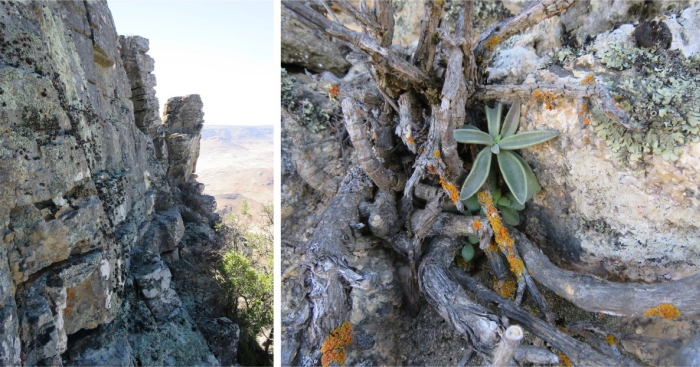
(87,215)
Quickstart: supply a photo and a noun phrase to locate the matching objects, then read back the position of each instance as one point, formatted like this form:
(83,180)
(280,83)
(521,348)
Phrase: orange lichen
(333,91)
(492,43)
(665,310)
(586,121)
(564,360)
(505,288)
(431,170)
(503,239)
(409,140)
(588,80)
(583,110)
(545,97)
(476,224)
(436,153)
(611,340)
(450,189)
(333,348)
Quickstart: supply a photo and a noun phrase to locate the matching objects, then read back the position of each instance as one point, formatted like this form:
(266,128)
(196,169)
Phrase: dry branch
(326,252)
(466,316)
(581,354)
(597,295)
(382,56)
(505,29)
(424,56)
(354,123)
(596,93)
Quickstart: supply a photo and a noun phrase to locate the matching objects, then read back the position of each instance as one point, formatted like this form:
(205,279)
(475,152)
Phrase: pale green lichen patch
(657,88)
(308,113)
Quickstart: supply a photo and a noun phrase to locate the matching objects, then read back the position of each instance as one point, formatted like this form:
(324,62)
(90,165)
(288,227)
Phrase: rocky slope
(98,201)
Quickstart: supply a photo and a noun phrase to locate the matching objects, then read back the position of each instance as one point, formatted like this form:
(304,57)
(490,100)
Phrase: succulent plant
(506,203)
(502,141)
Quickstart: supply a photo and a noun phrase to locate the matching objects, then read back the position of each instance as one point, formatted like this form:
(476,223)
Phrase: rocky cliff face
(96,194)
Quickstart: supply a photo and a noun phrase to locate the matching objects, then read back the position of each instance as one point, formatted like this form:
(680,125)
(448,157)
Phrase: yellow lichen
(505,288)
(450,189)
(564,360)
(503,239)
(611,340)
(333,348)
(492,43)
(588,80)
(665,310)
(476,224)
(436,153)
(545,97)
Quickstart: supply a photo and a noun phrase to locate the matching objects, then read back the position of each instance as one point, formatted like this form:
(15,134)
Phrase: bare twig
(382,177)
(505,29)
(597,295)
(596,93)
(424,56)
(581,354)
(507,346)
(380,55)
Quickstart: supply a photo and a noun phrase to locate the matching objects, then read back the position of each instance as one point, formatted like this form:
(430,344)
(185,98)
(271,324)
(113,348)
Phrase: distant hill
(236,163)
(239,134)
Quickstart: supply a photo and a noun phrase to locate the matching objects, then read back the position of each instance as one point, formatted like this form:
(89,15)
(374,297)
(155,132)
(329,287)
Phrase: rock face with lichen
(88,218)
(617,202)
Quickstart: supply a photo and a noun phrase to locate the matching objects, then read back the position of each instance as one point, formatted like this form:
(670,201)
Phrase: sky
(222,50)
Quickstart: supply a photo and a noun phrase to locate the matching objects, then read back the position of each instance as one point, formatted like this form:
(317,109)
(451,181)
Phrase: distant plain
(236,164)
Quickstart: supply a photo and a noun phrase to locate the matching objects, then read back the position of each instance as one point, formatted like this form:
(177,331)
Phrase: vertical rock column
(183,124)
(139,68)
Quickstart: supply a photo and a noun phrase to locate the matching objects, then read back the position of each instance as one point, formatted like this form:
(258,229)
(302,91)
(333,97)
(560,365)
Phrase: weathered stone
(615,202)
(151,274)
(310,48)
(223,335)
(183,123)
(83,183)
(139,67)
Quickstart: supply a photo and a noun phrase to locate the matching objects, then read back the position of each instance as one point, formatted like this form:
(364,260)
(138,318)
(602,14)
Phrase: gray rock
(84,182)
(310,48)
(183,123)
(151,274)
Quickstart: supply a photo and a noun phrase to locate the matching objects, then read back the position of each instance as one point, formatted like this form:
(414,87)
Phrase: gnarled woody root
(326,265)
(587,292)
(384,178)
(484,328)
(598,295)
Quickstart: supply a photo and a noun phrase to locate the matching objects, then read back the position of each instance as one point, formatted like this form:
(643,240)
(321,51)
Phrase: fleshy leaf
(527,139)
(473,240)
(519,177)
(512,121)
(510,216)
(467,252)
(495,149)
(472,203)
(478,174)
(514,204)
(493,119)
(504,201)
(533,186)
(470,136)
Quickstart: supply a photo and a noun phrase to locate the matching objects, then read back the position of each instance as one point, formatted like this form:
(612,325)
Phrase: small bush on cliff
(245,273)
